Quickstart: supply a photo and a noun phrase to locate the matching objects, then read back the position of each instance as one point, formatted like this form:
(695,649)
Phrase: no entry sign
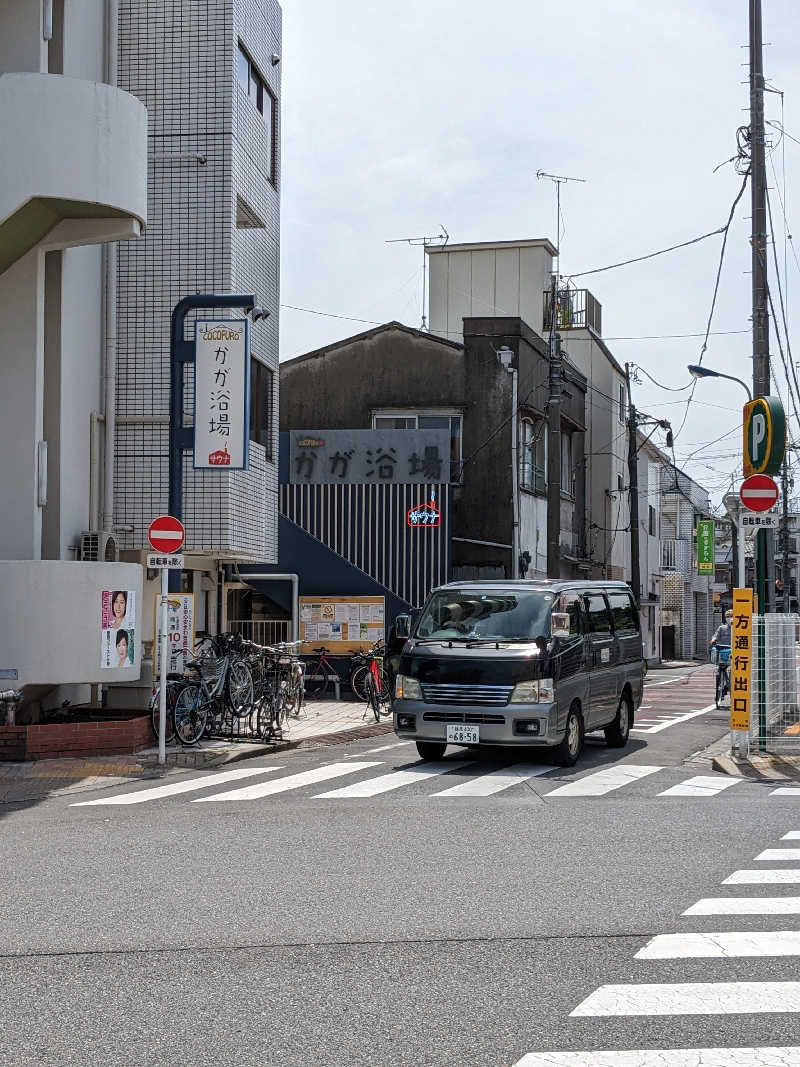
(166,534)
(758,492)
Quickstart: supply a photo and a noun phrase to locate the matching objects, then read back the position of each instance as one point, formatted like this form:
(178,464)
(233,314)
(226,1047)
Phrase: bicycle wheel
(155,713)
(358,682)
(318,689)
(190,715)
(373,697)
(239,688)
(718,692)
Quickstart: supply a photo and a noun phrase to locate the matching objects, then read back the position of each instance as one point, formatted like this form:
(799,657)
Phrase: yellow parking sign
(741,658)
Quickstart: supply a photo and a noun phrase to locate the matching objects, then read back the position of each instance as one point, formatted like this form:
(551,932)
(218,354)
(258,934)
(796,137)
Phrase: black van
(520,663)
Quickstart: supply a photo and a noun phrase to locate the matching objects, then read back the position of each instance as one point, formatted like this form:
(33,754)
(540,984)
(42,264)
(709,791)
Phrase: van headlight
(407,688)
(536,692)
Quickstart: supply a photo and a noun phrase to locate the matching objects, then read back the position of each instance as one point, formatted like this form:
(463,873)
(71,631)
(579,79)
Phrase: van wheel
(430,749)
(567,753)
(618,731)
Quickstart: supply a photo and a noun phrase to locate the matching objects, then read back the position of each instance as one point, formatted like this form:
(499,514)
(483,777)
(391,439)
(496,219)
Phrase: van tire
(618,731)
(567,753)
(431,749)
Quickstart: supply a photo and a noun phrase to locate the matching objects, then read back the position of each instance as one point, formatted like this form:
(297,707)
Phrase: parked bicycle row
(237,690)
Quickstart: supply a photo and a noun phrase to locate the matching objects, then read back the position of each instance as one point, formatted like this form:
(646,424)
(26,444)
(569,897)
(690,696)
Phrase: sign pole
(162,698)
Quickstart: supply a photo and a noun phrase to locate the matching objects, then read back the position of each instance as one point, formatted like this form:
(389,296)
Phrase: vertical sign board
(705,546)
(180,631)
(221,394)
(741,658)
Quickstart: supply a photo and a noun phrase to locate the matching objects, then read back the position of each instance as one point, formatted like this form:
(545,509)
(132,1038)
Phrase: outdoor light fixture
(698,372)
(257,313)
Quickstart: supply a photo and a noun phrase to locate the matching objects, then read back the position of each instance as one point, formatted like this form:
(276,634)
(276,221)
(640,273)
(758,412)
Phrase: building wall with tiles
(180,60)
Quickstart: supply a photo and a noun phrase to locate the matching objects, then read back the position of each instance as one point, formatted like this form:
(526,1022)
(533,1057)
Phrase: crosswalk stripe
(183,786)
(721,945)
(494,782)
(386,782)
(785,791)
(604,781)
(793,835)
(774,1056)
(678,718)
(745,906)
(293,781)
(701,786)
(779,854)
(767,876)
(692,998)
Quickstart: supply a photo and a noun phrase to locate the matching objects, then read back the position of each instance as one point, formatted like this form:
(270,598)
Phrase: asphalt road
(389,925)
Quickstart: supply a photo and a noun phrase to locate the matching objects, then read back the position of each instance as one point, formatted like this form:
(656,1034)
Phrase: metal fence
(775,685)
(262,631)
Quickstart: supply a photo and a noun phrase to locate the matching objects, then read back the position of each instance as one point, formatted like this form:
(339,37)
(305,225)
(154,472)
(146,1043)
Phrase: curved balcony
(73,169)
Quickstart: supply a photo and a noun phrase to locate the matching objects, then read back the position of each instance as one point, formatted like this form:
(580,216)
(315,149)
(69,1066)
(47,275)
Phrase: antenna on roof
(558,180)
(423,242)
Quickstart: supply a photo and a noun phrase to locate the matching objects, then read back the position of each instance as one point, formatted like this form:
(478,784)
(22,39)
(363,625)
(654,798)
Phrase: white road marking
(779,854)
(693,998)
(775,1056)
(676,720)
(701,786)
(495,782)
(174,788)
(293,781)
(745,906)
(384,783)
(604,781)
(785,791)
(721,945)
(767,876)
(793,835)
(383,748)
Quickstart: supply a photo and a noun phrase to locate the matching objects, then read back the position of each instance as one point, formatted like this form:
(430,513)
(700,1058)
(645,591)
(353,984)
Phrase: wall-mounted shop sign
(705,546)
(221,394)
(369,456)
(424,515)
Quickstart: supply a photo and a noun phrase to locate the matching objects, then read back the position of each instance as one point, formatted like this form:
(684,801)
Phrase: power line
(669,388)
(650,255)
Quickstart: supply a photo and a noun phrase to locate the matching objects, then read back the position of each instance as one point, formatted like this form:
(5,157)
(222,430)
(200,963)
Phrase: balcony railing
(675,555)
(576,309)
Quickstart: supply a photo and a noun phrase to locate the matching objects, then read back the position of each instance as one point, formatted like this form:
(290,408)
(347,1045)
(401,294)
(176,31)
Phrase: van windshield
(471,615)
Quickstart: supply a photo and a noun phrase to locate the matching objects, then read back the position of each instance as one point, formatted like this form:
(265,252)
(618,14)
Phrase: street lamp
(697,372)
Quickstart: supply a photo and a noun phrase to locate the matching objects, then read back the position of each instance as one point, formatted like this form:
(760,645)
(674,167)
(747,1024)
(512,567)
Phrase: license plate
(463,735)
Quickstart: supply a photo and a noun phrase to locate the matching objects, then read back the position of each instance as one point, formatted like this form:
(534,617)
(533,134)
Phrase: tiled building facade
(209,75)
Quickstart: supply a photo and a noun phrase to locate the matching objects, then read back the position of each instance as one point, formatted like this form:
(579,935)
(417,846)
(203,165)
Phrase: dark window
(623,610)
(598,615)
(261,401)
(622,403)
(255,86)
(243,68)
(651,524)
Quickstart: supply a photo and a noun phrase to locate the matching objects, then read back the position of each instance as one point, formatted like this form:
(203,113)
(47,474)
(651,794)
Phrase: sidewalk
(322,723)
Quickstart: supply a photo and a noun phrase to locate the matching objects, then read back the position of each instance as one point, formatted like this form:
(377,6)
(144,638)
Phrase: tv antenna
(558,180)
(423,242)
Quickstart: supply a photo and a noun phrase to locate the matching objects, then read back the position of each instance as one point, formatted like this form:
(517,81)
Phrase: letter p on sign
(758,431)
(764,435)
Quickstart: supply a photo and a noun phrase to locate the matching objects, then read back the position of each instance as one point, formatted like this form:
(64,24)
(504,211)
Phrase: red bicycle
(320,673)
(378,693)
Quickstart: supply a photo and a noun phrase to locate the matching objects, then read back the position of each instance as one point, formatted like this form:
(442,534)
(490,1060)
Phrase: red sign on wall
(424,515)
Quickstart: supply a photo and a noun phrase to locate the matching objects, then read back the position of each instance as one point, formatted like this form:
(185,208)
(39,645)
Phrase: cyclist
(722,640)
(722,634)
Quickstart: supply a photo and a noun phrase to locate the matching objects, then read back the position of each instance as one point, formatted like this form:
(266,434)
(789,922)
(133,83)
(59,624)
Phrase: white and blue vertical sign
(221,394)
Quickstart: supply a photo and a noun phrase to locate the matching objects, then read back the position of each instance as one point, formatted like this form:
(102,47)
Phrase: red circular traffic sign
(759,492)
(166,534)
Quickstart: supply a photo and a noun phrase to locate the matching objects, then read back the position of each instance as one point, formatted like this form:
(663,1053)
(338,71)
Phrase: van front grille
(481,695)
(460,716)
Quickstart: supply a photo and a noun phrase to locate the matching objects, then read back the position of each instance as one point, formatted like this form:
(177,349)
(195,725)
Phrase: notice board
(342,624)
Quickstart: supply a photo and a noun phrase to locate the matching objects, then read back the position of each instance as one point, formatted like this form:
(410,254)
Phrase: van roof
(554,585)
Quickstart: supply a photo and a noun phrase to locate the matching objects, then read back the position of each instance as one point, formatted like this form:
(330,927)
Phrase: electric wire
(649,255)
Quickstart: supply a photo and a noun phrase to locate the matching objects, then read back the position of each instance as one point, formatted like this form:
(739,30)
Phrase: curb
(759,768)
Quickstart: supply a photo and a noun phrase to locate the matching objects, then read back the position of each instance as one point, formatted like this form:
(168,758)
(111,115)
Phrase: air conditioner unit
(98,546)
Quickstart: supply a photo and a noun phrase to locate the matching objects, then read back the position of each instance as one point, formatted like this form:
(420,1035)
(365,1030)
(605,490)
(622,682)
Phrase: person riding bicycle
(722,634)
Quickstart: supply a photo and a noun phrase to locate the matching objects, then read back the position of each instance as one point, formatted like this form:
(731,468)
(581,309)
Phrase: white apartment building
(145,167)
(513,278)
(687,601)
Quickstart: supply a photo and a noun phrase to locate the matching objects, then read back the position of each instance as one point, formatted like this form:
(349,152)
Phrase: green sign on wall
(705,546)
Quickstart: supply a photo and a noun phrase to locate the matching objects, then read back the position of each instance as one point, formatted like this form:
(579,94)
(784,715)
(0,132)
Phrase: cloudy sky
(398,118)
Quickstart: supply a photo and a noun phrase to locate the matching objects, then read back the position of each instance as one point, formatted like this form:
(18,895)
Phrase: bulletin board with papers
(342,624)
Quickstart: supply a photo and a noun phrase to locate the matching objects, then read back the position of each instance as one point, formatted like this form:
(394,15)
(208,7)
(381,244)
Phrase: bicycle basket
(724,655)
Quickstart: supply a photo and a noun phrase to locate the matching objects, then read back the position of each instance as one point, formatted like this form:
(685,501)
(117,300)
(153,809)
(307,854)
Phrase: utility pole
(633,483)
(765,541)
(554,446)
(785,536)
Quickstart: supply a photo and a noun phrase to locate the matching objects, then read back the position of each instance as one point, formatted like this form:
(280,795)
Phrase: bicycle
(360,666)
(202,705)
(378,696)
(322,673)
(723,680)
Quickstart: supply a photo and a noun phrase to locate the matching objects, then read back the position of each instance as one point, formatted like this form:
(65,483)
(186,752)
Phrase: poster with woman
(117,628)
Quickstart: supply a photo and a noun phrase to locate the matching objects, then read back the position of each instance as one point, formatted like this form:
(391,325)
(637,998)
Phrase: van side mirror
(402,626)
(559,624)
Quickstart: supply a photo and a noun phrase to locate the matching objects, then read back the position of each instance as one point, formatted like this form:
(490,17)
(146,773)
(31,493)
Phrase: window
(261,405)
(533,455)
(419,421)
(651,520)
(263,101)
(622,403)
(567,474)
(620,486)
(598,615)
(624,613)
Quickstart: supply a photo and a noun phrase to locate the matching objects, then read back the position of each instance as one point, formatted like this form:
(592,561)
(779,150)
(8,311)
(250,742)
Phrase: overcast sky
(400,117)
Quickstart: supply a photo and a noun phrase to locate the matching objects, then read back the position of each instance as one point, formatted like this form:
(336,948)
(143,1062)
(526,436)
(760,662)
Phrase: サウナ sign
(764,425)
(221,394)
